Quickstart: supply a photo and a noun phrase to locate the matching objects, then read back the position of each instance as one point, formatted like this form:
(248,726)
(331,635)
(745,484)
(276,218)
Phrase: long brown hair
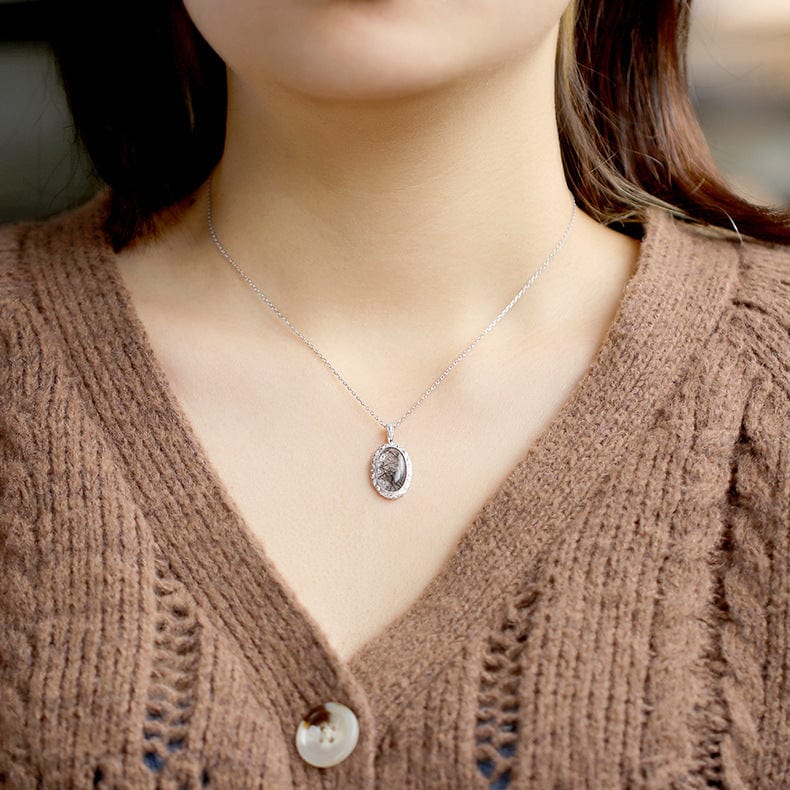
(148,97)
(629,134)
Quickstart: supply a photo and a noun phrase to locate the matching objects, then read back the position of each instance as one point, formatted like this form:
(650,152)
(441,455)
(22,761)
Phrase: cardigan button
(327,734)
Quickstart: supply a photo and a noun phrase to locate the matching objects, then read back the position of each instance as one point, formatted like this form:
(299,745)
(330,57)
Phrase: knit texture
(615,615)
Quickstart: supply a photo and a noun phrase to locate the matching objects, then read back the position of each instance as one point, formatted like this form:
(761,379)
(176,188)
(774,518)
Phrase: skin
(391,178)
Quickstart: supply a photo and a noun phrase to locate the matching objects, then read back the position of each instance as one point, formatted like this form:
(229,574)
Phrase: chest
(292,447)
(293,450)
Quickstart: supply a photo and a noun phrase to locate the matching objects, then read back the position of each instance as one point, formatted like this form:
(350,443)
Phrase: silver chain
(446,371)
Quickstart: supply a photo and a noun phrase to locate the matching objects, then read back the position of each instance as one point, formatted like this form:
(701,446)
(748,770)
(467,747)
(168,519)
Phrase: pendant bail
(390,431)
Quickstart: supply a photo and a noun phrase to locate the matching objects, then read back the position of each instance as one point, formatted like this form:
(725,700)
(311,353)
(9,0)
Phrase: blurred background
(739,63)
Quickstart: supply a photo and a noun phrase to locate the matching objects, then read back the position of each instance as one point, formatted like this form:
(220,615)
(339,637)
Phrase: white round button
(327,734)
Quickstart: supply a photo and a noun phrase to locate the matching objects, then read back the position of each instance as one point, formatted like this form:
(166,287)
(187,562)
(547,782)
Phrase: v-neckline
(665,307)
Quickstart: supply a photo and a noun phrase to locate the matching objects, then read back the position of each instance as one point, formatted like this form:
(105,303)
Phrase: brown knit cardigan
(615,616)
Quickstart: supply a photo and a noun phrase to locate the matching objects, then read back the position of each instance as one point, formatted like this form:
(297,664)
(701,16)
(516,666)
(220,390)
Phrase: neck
(436,207)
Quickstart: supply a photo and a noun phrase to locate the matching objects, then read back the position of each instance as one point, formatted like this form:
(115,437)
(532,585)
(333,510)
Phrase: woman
(563,564)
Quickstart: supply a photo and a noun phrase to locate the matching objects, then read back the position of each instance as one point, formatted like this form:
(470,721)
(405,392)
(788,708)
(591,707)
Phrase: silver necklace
(391,466)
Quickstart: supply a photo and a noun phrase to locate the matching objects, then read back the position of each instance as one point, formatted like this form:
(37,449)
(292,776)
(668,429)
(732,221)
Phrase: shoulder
(20,334)
(28,246)
(761,298)
(14,282)
(759,309)
(755,287)
(36,262)
(24,339)
(34,253)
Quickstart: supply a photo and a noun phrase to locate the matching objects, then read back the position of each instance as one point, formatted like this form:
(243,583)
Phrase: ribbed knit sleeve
(755,639)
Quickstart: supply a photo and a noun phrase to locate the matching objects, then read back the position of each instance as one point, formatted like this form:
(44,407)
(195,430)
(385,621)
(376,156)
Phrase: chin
(384,67)
(362,49)
(358,79)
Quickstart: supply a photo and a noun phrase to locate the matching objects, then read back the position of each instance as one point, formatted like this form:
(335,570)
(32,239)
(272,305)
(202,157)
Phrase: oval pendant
(390,469)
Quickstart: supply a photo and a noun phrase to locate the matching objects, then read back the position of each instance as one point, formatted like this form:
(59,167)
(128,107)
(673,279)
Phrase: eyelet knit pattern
(615,615)
(498,695)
